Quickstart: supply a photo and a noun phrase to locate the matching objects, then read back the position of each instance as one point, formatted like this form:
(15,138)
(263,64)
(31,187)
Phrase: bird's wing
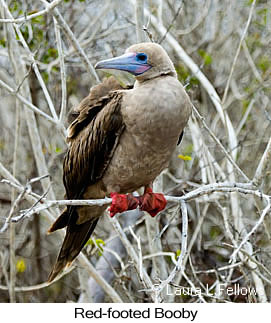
(93,137)
(96,93)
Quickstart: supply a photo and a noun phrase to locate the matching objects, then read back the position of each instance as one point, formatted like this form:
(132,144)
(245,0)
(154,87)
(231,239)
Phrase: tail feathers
(61,222)
(75,239)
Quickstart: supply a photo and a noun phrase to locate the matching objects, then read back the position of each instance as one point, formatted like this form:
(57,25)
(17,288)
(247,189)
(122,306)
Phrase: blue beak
(128,62)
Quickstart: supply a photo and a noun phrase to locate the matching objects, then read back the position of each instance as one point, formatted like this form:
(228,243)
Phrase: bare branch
(26,18)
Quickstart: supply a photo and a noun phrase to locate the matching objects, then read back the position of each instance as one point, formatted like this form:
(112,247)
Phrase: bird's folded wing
(96,93)
(93,137)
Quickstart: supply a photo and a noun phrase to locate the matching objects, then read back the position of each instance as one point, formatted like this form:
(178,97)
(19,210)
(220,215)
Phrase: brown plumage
(120,140)
(90,150)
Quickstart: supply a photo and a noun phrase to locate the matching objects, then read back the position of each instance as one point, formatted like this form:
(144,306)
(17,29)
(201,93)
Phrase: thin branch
(263,165)
(255,227)
(14,206)
(203,190)
(238,51)
(42,285)
(34,65)
(197,22)
(131,252)
(180,264)
(139,17)
(27,103)
(228,156)
(140,262)
(62,115)
(62,23)
(178,11)
(26,18)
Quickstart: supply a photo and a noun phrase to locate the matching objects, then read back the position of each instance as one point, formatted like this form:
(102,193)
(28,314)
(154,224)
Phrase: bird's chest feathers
(153,120)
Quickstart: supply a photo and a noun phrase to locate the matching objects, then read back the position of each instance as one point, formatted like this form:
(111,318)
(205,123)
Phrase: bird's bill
(126,62)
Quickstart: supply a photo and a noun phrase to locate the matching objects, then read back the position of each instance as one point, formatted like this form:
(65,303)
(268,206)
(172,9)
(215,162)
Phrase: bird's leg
(122,202)
(151,202)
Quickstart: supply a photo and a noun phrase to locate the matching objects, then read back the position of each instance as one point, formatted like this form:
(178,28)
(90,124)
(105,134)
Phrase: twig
(193,287)
(228,156)
(211,271)
(12,209)
(20,197)
(131,252)
(238,51)
(18,218)
(99,279)
(255,227)
(92,28)
(42,285)
(245,116)
(62,115)
(34,65)
(197,22)
(262,166)
(107,288)
(140,262)
(25,18)
(203,190)
(251,62)
(62,23)
(139,17)
(180,264)
(172,22)
(27,103)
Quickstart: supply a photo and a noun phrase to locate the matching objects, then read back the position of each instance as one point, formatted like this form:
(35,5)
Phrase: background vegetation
(220,174)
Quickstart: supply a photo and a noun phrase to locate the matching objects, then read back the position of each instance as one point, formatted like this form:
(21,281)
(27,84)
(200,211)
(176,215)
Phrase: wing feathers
(93,138)
(92,145)
(96,94)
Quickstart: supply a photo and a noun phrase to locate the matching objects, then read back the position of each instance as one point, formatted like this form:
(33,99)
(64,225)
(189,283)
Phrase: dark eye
(141,57)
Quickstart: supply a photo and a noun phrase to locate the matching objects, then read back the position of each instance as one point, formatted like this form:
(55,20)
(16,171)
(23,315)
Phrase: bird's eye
(141,57)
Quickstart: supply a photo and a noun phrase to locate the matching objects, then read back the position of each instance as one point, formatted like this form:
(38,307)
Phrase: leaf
(99,243)
(89,242)
(177,254)
(3,42)
(186,157)
(20,265)
(215,232)
(206,57)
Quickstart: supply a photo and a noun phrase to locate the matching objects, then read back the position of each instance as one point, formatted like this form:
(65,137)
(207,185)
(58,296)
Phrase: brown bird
(121,139)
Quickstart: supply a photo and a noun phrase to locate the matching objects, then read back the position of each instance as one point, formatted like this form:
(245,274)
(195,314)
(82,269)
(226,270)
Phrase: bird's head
(145,61)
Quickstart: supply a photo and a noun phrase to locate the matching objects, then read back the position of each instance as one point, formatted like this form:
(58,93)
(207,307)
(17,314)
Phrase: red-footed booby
(121,140)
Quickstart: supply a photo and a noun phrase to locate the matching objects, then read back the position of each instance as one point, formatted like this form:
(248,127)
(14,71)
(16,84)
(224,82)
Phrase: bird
(121,138)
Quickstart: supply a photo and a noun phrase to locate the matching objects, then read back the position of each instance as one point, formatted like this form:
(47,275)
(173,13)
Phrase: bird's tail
(76,237)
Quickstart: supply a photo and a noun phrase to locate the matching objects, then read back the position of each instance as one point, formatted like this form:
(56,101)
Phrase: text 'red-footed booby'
(121,139)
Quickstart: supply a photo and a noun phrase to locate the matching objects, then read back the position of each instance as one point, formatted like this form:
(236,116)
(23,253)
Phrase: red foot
(122,202)
(151,202)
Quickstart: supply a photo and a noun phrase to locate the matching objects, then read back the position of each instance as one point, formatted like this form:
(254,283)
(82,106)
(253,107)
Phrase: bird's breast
(154,120)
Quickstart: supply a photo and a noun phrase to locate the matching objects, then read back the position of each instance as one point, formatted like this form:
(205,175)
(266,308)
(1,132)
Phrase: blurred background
(221,52)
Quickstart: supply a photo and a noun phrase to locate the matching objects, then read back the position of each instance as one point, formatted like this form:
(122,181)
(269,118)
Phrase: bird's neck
(141,82)
(152,74)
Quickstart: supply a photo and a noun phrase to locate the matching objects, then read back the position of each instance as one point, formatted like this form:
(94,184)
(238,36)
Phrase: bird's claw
(122,202)
(150,202)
